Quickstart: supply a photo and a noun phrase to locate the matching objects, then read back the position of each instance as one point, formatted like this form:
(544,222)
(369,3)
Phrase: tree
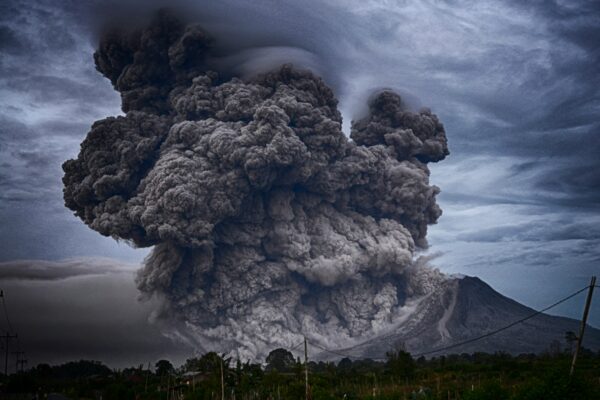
(208,363)
(280,360)
(571,339)
(401,363)
(345,364)
(163,367)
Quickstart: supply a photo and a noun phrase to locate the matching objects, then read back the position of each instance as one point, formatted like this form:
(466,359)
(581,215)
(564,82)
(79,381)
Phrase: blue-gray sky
(516,85)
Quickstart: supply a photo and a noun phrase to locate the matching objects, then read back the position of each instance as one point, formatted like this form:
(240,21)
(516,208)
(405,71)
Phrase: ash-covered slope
(458,309)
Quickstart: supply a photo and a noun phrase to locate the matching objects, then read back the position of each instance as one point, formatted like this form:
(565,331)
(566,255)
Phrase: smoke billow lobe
(266,220)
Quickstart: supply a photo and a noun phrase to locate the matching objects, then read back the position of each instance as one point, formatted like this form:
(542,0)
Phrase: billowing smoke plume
(267,222)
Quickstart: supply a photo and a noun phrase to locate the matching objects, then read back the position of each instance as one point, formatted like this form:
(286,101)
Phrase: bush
(489,391)
(556,385)
(401,364)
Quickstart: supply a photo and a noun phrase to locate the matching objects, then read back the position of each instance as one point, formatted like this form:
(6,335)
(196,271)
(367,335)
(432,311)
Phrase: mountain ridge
(462,308)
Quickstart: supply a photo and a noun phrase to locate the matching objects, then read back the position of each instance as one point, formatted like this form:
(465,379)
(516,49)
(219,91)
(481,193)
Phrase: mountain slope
(459,309)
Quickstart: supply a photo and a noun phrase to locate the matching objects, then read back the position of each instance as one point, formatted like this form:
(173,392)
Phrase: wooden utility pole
(18,355)
(222,382)
(586,310)
(374,385)
(7,337)
(147,376)
(168,385)
(306,369)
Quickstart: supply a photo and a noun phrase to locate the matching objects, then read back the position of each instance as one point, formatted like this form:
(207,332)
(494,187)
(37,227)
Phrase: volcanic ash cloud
(266,221)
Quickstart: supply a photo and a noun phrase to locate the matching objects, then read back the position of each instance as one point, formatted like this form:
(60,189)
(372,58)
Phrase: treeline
(465,376)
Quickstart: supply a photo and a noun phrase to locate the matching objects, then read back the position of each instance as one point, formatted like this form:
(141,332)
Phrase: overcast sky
(517,87)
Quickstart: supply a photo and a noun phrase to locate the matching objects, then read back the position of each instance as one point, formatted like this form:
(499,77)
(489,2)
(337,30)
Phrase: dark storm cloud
(581,182)
(568,131)
(42,79)
(47,89)
(11,42)
(63,311)
(549,84)
(564,136)
(25,237)
(541,232)
(26,171)
(36,270)
(12,130)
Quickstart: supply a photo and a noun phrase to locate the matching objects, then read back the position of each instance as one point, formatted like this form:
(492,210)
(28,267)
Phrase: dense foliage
(477,376)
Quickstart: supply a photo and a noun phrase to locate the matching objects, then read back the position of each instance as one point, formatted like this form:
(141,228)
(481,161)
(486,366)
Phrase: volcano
(458,309)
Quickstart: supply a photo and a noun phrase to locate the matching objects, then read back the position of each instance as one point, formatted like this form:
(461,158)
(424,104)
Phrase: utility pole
(18,354)
(168,385)
(374,385)
(306,368)
(147,375)
(222,382)
(7,337)
(586,310)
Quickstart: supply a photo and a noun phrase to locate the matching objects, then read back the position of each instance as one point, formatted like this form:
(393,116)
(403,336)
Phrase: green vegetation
(469,377)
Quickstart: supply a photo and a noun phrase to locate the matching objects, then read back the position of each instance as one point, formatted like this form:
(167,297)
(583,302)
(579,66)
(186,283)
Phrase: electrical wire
(296,346)
(488,334)
(504,327)
(10,329)
(334,351)
(339,353)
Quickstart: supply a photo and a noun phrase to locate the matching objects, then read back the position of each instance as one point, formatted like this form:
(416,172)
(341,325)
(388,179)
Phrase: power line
(504,327)
(488,334)
(10,329)
(296,346)
(339,353)
(7,330)
(333,351)
(586,310)
(7,336)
